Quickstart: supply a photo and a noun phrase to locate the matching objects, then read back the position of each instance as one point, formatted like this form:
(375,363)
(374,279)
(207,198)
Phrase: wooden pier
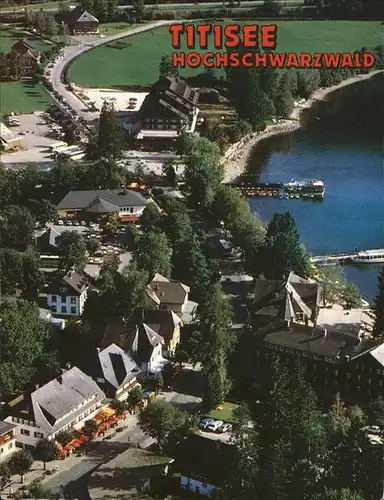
(275,190)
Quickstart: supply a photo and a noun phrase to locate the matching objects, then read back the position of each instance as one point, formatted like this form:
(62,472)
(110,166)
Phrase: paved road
(70,53)
(169,6)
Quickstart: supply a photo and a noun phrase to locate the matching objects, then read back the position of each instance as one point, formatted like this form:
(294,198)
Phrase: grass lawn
(135,59)
(43,5)
(226,413)
(8,36)
(109,29)
(23,97)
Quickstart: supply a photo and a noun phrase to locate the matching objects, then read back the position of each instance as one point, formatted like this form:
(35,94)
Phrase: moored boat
(369,257)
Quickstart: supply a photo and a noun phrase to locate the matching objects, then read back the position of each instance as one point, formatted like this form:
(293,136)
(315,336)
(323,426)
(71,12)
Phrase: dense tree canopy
(282,251)
(72,250)
(16,228)
(153,253)
(25,342)
(378,330)
(295,450)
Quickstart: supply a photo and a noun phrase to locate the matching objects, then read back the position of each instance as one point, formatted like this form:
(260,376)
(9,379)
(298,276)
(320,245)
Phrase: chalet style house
(80,22)
(62,404)
(169,109)
(334,345)
(92,204)
(67,295)
(25,58)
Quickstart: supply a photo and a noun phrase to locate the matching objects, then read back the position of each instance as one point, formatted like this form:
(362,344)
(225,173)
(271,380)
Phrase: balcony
(6,438)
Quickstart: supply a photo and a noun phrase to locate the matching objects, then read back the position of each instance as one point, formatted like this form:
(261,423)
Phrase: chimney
(97,349)
(157,288)
(276,295)
(325,332)
(68,366)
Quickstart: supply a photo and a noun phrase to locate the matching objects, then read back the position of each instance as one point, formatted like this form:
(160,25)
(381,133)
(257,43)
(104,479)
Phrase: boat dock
(356,257)
(276,190)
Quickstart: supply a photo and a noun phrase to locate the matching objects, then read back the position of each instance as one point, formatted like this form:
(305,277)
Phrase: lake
(346,153)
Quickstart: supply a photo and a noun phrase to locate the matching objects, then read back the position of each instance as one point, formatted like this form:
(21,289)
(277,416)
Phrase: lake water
(350,161)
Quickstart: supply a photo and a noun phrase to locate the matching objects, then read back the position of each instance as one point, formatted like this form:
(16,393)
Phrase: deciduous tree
(166,68)
(72,250)
(20,463)
(378,330)
(45,450)
(153,253)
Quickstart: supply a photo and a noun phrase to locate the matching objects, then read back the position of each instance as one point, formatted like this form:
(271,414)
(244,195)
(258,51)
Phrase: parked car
(224,428)
(373,429)
(61,222)
(76,223)
(68,222)
(205,422)
(215,425)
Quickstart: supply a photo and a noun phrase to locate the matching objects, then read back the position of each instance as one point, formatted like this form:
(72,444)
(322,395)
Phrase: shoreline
(234,161)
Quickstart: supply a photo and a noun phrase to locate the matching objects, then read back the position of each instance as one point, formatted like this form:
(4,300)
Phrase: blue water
(352,213)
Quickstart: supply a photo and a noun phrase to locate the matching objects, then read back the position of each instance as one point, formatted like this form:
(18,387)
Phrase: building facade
(25,58)
(64,403)
(67,295)
(7,440)
(92,204)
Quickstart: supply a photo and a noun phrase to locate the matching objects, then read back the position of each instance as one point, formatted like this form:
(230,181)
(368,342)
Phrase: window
(64,309)
(131,210)
(54,298)
(10,446)
(63,289)
(54,309)
(25,432)
(1,450)
(73,310)
(73,300)
(63,299)
(38,435)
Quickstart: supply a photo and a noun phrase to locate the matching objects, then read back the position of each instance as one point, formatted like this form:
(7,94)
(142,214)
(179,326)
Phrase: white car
(61,222)
(373,429)
(205,423)
(224,428)
(215,425)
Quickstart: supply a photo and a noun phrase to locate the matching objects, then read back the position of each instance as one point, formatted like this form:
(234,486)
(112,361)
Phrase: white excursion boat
(370,257)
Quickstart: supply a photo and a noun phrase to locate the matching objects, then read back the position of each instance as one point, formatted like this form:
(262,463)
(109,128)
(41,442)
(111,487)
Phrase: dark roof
(162,322)
(207,460)
(117,366)
(166,92)
(78,14)
(169,292)
(5,427)
(144,341)
(29,43)
(99,205)
(76,281)
(273,299)
(79,200)
(311,340)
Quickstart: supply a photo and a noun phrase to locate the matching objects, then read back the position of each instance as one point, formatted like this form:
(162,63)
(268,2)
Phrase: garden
(137,62)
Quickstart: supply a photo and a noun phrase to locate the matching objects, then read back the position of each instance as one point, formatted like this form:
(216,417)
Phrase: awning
(128,219)
(109,411)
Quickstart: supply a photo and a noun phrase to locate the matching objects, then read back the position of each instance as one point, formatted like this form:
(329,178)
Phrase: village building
(26,58)
(171,295)
(7,440)
(168,110)
(147,349)
(126,204)
(63,404)
(8,140)
(116,372)
(203,464)
(67,294)
(334,345)
(128,476)
(80,22)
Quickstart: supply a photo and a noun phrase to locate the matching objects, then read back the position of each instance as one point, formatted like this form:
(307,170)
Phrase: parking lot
(33,130)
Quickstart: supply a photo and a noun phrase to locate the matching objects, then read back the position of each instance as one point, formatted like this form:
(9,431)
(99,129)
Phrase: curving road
(70,53)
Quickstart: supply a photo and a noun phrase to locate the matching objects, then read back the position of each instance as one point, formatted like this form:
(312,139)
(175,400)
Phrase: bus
(57,146)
